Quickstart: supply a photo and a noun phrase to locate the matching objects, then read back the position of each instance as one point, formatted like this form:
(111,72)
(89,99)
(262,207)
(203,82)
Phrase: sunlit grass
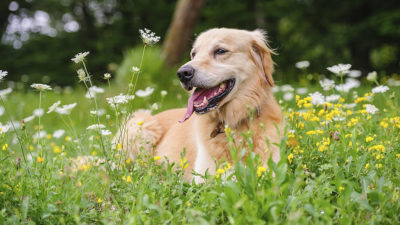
(340,161)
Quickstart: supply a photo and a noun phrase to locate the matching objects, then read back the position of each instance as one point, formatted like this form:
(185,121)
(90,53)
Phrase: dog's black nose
(185,73)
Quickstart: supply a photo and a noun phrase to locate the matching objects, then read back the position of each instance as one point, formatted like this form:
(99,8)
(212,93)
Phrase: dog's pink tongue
(190,108)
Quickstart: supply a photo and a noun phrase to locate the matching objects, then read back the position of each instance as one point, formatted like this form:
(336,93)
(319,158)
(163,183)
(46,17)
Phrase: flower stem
(15,131)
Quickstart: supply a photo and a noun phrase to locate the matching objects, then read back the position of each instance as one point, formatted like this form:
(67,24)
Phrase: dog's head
(226,64)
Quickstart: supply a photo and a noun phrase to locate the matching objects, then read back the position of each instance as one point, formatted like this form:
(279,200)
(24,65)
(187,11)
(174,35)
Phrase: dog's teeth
(205,100)
(222,86)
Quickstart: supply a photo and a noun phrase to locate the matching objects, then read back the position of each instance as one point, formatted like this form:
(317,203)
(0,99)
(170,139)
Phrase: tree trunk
(181,30)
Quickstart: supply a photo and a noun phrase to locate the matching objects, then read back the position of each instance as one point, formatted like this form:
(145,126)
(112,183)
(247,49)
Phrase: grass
(342,172)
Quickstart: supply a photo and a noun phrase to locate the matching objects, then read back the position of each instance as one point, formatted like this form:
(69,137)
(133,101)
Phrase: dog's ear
(261,54)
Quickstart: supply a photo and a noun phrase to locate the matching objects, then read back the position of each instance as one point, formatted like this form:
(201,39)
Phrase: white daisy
(28,119)
(2,110)
(317,98)
(154,106)
(380,89)
(41,87)
(99,112)
(354,73)
(38,112)
(286,88)
(301,90)
(80,57)
(350,105)
(164,93)
(135,69)
(302,64)
(332,98)
(393,82)
(371,108)
(105,132)
(275,89)
(81,75)
(65,109)
(92,91)
(107,76)
(119,99)
(144,93)
(348,85)
(288,96)
(58,133)
(4,128)
(40,135)
(339,69)
(327,84)
(3,74)
(148,37)
(53,107)
(5,92)
(372,76)
(95,126)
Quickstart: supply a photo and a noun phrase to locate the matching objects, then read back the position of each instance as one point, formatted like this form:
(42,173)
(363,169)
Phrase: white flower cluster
(41,87)
(100,127)
(380,89)
(3,74)
(65,109)
(4,128)
(80,57)
(92,91)
(5,92)
(302,64)
(327,84)
(371,109)
(372,76)
(53,107)
(348,85)
(119,99)
(339,69)
(144,93)
(148,37)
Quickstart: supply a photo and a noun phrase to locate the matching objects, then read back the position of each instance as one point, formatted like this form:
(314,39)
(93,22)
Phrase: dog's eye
(193,54)
(220,51)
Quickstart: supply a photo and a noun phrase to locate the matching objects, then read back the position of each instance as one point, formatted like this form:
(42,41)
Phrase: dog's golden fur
(249,62)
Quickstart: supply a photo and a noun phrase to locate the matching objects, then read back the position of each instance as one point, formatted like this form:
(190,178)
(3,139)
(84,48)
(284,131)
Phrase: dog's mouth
(204,100)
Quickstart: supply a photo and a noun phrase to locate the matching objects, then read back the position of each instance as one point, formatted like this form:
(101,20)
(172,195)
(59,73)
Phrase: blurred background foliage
(39,37)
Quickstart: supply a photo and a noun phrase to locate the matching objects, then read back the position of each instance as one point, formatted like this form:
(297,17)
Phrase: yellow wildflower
(128,161)
(367,166)
(99,200)
(228,166)
(49,136)
(384,124)
(311,132)
(129,179)
(140,123)
(5,146)
(341,188)
(156,158)
(261,170)
(369,139)
(119,146)
(57,149)
(31,148)
(67,138)
(290,158)
(219,172)
(40,159)
(183,163)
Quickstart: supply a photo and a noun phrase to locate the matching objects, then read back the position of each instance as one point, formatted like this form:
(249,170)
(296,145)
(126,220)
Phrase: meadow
(340,153)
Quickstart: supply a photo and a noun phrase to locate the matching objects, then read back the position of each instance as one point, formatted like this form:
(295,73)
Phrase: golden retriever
(229,75)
